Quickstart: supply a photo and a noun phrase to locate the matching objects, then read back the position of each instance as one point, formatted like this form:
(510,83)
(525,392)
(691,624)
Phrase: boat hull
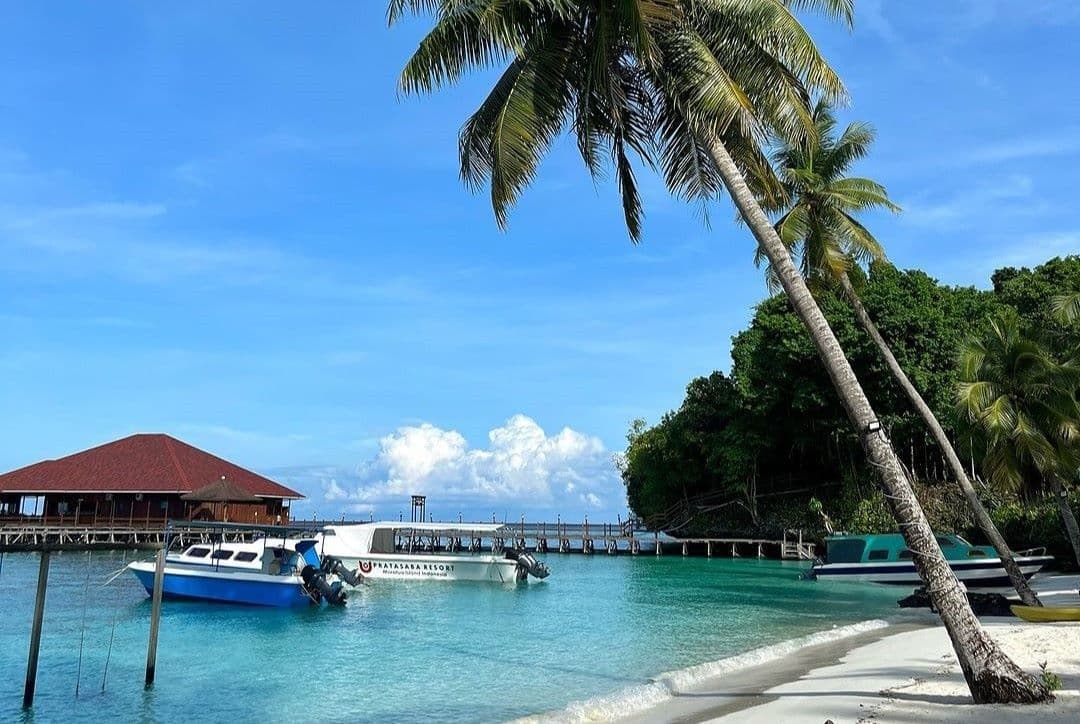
(253,589)
(404,567)
(1046,614)
(975,574)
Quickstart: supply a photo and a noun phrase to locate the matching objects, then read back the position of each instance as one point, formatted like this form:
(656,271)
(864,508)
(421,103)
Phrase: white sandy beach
(913,677)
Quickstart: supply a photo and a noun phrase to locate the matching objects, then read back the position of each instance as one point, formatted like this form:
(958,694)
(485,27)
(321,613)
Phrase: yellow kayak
(1046,614)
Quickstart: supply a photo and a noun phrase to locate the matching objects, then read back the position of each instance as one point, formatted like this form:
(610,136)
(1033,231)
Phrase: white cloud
(522,469)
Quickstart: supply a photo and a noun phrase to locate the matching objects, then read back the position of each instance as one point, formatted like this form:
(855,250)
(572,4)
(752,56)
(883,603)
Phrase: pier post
(155,618)
(35,631)
(708,549)
(686,549)
(759,554)
(658,549)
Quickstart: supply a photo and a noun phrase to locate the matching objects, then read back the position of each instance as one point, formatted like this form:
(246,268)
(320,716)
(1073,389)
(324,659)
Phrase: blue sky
(220,221)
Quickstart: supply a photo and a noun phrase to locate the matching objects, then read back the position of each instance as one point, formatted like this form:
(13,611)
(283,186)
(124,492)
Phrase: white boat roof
(432,526)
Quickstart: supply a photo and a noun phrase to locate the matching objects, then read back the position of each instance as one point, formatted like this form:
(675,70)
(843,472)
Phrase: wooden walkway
(581,538)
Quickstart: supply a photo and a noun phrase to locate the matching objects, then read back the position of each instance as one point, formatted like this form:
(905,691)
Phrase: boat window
(845,550)
(245,556)
(197,552)
(944,542)
(382,540)
(221,554)
(879,555)
(329,532)
(906,555)
(976,553)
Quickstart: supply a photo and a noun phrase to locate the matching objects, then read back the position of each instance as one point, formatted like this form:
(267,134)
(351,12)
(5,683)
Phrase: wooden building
(141,479)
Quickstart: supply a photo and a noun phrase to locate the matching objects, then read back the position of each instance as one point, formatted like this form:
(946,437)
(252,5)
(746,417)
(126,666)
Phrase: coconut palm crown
(1022,401)
(626,78)
(820,202)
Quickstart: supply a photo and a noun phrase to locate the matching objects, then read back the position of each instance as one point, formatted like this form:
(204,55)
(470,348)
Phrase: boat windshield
(845,550)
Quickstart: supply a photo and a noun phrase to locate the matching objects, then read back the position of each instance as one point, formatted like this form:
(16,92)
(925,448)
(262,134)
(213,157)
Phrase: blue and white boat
(261,573)
(885,558)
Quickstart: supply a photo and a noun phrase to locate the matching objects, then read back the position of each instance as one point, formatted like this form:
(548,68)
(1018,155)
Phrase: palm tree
(818,222)
(693,85)
(1024,404)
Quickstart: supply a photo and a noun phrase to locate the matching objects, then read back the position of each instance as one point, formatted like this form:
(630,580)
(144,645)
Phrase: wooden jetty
(559,537)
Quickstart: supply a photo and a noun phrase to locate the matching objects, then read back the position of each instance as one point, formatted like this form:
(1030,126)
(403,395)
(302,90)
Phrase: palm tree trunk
(982,518)
(1062,497)
(991,676)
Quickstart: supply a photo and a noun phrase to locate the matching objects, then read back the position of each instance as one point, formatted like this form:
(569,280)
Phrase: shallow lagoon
(406,651)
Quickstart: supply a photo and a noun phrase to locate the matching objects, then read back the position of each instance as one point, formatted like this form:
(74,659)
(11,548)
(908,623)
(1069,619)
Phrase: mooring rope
(112,636)
(82,633)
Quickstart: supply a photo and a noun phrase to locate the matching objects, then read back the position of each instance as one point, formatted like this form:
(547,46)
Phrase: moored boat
(281,573)
(1047,614)
(413,551)
(885,559)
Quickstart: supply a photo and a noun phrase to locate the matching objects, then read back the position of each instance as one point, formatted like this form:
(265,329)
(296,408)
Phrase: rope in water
(82,633)
(112,636)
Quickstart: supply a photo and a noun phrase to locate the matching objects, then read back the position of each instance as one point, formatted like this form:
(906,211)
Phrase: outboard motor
(319,588)
(333,566)
(527,565)
(314,578)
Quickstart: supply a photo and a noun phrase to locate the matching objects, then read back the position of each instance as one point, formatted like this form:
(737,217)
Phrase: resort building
(141,479)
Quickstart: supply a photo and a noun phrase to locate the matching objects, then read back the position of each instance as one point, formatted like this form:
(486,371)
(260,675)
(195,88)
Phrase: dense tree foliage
(773,429)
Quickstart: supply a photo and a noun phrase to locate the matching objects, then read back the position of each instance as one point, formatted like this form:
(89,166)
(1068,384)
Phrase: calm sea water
(402,651)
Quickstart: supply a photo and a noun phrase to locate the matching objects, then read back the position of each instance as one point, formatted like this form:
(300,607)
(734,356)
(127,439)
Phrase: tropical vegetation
(778,436)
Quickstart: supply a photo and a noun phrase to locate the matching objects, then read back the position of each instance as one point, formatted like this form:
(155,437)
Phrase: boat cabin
(891,548)
(256,556)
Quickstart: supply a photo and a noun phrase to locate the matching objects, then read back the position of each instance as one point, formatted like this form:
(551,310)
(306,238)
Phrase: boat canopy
(379,537)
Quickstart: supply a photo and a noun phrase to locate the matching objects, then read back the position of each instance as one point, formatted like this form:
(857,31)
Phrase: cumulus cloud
(521,468)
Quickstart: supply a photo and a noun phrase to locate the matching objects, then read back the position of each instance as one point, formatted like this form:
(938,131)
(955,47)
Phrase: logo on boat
(365,566)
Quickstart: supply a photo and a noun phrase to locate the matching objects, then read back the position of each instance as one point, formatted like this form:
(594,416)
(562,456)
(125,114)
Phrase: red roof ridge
(175,462)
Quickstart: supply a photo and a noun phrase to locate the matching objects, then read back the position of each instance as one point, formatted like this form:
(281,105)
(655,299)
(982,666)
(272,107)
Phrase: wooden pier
(580,538)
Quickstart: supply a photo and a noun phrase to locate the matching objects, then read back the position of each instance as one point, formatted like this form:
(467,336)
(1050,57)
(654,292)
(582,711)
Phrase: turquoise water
(403,651)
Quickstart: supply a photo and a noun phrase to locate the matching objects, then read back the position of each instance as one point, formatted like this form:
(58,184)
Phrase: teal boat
(885,558)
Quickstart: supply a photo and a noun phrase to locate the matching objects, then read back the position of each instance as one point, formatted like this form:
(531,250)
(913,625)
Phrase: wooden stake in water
(35,632)
(155,617)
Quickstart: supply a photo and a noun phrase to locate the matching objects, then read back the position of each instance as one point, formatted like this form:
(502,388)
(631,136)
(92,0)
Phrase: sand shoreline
(903,673)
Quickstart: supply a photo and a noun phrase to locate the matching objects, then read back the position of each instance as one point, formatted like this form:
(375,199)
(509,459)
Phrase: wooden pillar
(155,618)
(686,549)
(708,549)
(35,631)
(659,550)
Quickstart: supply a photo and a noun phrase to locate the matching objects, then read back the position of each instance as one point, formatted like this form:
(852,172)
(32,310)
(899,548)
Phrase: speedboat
(428,551)
(259,573)
(885,558)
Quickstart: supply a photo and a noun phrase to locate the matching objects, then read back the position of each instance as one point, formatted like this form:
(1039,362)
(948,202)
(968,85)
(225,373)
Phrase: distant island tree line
(768,447)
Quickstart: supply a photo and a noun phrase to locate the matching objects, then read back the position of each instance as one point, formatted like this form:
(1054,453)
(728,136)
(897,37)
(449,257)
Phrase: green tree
(1023,403)
(821,202)
(702,81)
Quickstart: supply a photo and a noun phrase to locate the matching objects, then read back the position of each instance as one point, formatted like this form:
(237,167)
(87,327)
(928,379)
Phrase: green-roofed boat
(885,558)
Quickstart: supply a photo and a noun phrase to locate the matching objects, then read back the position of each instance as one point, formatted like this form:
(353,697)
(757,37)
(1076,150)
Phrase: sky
(223,222)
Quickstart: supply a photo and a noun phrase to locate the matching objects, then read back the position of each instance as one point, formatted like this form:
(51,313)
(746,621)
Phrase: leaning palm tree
(695,85)
(819,224)
(1023,402)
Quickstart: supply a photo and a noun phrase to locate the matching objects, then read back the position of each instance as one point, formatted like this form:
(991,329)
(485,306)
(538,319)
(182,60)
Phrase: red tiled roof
(144,463)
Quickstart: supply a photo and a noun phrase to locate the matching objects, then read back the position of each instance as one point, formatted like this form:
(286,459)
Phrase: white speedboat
(428,551)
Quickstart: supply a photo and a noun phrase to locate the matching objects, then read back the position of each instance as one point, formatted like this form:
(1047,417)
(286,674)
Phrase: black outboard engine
(333,566)
(319,588)
(527,565)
